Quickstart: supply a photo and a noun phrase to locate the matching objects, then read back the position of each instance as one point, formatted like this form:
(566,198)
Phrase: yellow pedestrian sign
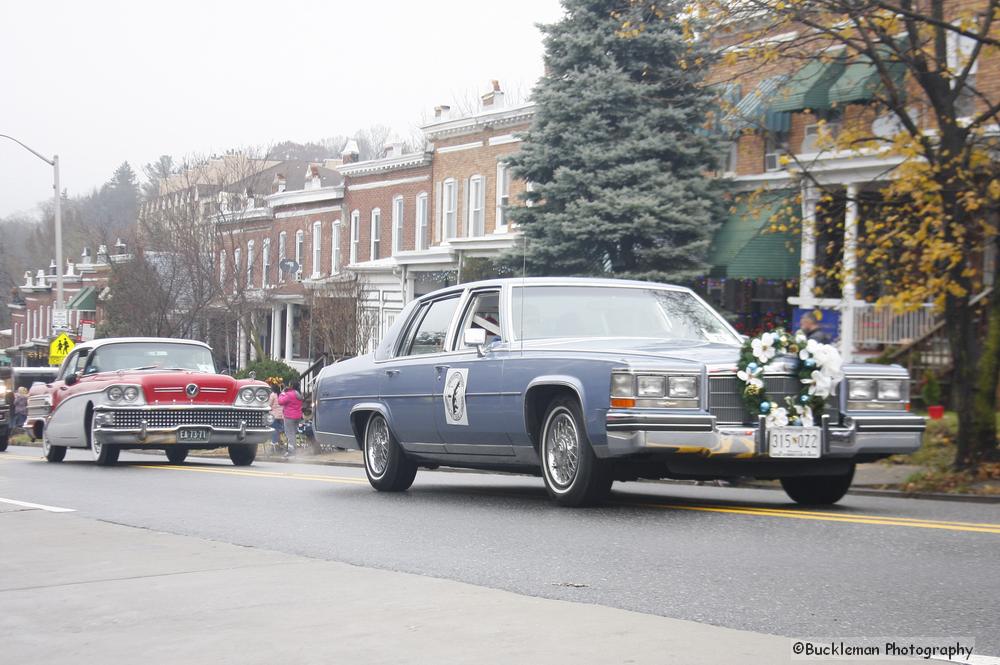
(59,349)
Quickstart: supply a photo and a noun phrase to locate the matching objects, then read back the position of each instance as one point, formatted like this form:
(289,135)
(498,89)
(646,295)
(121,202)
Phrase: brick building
(774,114)
(412,220)
(26,342)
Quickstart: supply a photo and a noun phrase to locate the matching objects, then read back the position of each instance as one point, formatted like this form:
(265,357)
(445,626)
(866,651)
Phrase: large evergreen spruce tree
(616,155)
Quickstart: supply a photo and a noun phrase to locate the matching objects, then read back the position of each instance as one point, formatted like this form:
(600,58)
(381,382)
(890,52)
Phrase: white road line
(974,660)
(39,506)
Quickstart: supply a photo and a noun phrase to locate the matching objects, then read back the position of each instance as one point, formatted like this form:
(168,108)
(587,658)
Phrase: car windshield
(547,312)
(150,355)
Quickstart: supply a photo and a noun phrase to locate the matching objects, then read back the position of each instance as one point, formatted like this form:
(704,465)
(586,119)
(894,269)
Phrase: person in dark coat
(809,325)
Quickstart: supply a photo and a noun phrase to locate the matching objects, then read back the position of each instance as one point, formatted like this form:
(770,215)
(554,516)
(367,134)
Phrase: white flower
(777,418)
(805,414)
(820,383)
(763,347)
(750,379)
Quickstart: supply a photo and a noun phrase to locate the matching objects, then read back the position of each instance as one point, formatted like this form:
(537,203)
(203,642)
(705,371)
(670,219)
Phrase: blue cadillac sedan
(588,381)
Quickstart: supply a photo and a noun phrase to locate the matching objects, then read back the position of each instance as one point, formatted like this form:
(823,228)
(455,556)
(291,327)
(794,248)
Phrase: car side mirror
(475,337)
(71,379)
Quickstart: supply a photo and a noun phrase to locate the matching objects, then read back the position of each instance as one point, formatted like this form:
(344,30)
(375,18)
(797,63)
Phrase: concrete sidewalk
(75,590)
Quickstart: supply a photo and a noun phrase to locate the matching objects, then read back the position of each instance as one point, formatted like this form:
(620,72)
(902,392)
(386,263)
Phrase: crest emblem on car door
(454,396)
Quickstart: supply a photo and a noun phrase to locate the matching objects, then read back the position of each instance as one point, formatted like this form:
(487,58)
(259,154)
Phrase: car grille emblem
(191,390)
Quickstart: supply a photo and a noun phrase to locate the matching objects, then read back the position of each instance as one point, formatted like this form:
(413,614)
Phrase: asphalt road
(739,558)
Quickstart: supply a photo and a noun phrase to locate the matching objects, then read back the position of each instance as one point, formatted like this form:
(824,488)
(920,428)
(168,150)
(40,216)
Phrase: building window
(376,233)
(503,196)
(222,268)
(265,263)
(300,247)
(397,225)
(355,235)
(250,262)
(317,249)
(450,209)
(335,249)
(282,253)
(476,223)
(421,229)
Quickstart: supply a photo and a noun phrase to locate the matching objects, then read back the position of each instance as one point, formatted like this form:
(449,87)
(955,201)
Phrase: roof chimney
(442,112)
(351,153)
(313,180)
(279,184)
(120,247)
(85,256)
(494,98)
(27,279)
(52,267)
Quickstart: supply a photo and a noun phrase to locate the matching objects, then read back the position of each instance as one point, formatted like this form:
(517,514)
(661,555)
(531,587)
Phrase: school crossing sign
(59,349)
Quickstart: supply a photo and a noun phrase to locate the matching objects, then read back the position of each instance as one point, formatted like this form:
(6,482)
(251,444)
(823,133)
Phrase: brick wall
(407,183)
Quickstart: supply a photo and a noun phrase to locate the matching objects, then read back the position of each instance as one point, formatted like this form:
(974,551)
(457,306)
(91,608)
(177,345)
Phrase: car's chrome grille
(725,404)
(221,418)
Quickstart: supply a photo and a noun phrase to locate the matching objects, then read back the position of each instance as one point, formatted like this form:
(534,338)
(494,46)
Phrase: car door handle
(440,368)
(391,372)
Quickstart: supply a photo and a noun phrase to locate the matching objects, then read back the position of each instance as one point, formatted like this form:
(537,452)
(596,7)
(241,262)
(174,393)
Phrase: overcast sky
(101,82)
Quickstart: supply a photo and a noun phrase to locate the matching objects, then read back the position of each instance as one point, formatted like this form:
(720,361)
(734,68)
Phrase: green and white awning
(85,300)
(809,88)
(755,110)
(745,247)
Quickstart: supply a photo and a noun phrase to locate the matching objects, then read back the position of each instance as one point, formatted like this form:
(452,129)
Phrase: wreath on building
(818,366)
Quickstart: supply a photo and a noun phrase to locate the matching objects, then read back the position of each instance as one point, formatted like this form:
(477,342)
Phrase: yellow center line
(859,519)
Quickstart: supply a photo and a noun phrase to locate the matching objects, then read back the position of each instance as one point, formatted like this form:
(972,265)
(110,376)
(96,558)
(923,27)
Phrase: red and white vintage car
(135,392)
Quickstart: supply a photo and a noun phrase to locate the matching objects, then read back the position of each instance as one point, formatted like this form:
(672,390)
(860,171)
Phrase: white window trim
(335,249)
(503,173)
(237,261)
(222,268)
(450,207)
(421,222)
(282,253)
(251,247)
(477,205)
(317,250)
(300,249)
(265,262)
(376,234)
(398,208)
(355,235)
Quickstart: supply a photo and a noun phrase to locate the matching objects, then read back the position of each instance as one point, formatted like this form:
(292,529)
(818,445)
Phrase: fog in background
(102,82)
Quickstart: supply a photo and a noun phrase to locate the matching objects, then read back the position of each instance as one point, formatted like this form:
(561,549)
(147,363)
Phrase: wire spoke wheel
(377,447)
(562,450)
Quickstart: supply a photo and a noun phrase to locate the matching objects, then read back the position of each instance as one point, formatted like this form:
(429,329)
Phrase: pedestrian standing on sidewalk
(291,402)
(20,407)
(278,414)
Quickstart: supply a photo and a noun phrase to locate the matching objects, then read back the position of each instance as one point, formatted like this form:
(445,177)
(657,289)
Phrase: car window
(151,355)
(483,312)
(70,365)
(430,327)
(80,362)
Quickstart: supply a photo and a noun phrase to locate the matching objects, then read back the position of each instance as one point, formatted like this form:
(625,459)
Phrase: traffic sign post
(59,348)
(60,320)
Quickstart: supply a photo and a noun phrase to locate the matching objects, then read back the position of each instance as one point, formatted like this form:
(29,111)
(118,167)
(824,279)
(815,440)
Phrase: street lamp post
(54,163)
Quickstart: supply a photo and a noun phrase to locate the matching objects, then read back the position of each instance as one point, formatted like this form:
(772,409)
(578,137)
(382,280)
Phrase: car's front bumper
(631,431)
(158,426)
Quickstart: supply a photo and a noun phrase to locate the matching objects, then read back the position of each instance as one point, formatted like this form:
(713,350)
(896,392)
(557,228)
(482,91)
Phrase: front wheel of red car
(387,467)
(52,453)
(818,490)
(104,454)
(243,454)
(574,475)
(176,454)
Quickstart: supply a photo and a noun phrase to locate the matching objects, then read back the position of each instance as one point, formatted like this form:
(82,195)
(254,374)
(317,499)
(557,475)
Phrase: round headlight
(263,394)
(246,394)
(115,393)
(131,393)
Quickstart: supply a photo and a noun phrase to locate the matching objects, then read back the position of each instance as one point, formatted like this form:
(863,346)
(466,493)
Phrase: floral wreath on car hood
(819,368)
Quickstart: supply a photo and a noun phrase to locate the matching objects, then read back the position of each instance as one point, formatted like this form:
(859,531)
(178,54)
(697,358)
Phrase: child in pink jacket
(291,403)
